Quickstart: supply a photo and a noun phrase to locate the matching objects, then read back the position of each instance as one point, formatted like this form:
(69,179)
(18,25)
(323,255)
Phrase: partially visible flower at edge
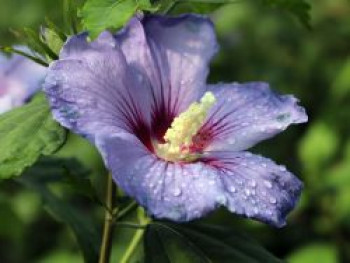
(174,143)
(20,78)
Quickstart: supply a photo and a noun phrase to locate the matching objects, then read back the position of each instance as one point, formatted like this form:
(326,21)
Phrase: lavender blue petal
(20,78)
(174,54)
(92,90)
(178,192)
(248,113)
(256,187)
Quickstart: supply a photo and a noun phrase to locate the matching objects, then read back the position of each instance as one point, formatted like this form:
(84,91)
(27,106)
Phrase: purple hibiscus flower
(20,78)
(174,143)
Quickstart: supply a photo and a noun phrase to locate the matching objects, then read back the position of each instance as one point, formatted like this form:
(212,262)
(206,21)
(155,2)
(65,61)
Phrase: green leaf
(84,230)
(166,242)
(53,40)
(318,147)
(341,86)
(37,44)
(11,227)
(58,31)
(316,252)
(195,6)
(70,16)
(99,15)
(24,54)
(299,8)
(26,133)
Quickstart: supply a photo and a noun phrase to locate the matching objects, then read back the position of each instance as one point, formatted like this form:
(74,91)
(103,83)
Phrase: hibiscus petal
(91,89)
(26,73)
(178,192)
(174,54)
(248,113)
(255,186)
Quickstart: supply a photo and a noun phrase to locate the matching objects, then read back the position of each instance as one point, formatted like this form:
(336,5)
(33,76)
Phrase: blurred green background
(257,43)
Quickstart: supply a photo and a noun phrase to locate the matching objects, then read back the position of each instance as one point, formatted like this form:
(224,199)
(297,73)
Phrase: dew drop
(268,184)
(221,199)
(211,182)
(248,154)
(232,189)
(273,200)
(177,192)
(283,117)
(253,183)
(282,168)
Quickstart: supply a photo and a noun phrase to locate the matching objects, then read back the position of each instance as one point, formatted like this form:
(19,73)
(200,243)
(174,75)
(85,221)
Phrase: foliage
(27,133)
(300,8)
(257,43)
(166,242)
(99,15)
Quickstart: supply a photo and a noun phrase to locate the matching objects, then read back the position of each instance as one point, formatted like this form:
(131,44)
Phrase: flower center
(178,138)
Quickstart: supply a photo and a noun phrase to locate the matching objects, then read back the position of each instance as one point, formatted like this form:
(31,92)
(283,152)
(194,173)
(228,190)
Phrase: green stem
(132,246)
(126,210)
(131,225)
(24,54)
(143,220)
(107,237)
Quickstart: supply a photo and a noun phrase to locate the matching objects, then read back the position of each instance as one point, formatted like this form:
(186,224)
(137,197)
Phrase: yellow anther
(178,137)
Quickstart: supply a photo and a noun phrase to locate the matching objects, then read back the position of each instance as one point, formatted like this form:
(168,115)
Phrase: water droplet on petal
(177,192)
(253,183)
(283,168)
(248,154)
(221,199)
(273,200)
(268,184)
(232,189)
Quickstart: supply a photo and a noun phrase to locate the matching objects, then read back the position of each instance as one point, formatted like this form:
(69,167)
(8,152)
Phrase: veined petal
(92,90)
(178,192)
(246,114)
(174,54)
(255,186)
